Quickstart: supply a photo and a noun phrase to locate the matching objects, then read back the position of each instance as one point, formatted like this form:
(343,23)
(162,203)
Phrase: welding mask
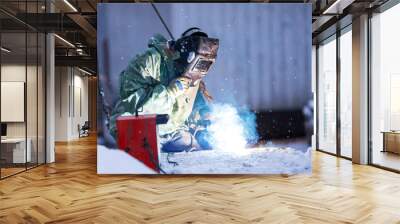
(197,52)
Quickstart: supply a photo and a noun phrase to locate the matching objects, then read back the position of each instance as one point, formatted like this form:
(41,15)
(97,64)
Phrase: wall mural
(204,88)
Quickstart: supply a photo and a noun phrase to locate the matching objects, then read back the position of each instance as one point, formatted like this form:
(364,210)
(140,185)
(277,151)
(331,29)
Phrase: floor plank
(70,191)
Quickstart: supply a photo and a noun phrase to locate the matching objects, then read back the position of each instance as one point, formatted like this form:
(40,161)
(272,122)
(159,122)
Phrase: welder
(168,79)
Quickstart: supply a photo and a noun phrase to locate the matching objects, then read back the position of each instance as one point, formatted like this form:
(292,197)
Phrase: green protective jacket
(143,86)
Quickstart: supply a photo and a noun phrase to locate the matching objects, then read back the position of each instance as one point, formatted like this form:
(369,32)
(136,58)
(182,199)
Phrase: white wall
(61,103)
(33,126)
(71,102)
(79,115)
(17,73)
(12,73)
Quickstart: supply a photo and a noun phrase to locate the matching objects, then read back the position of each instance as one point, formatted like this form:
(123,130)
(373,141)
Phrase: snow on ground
(262,160)
(115,161)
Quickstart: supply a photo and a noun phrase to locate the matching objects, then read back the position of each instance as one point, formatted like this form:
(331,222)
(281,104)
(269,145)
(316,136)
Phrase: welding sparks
(231,130)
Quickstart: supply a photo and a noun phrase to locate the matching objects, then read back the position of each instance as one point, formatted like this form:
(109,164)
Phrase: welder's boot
(179,142)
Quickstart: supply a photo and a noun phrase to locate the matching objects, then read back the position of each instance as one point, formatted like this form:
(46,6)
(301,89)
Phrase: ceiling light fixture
(64,40)
(84,71)
(70,5)
(5,50)
(337,7)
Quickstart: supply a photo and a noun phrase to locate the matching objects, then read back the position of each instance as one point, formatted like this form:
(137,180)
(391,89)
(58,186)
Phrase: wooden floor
(5,172)
(70,191)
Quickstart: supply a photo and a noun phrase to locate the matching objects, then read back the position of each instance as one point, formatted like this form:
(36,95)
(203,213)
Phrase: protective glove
(179,86)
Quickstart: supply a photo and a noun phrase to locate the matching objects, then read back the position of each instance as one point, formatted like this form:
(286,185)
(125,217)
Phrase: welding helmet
(197,52)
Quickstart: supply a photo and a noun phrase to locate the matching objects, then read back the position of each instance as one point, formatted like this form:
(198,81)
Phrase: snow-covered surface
(263,160)
(112,161)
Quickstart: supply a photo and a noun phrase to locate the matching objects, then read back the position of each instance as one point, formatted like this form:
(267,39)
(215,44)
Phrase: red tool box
(137,135)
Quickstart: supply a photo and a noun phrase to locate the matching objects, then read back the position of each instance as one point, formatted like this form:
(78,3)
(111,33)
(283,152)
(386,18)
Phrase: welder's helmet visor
(202,65)
(198,53)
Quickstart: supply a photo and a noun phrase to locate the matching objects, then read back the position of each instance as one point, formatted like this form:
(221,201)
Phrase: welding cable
(170,161)
(146,146)
(150,150)
(162,20)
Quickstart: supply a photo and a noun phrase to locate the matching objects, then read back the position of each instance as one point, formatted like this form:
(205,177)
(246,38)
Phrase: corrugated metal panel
(265,54)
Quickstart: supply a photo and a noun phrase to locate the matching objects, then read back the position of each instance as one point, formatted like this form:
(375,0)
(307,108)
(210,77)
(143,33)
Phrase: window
(346,92)
(327,95)
(385,89)
(22,88)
